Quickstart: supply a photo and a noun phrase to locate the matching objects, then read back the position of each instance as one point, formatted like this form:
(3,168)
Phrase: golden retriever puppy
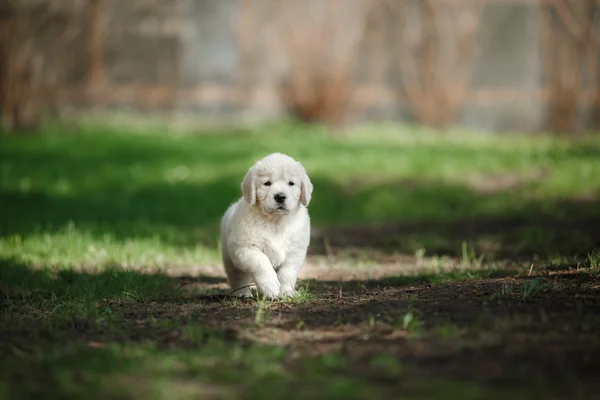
(266,233)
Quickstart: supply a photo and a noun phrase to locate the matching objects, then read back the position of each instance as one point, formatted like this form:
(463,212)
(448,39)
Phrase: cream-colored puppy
(265,234)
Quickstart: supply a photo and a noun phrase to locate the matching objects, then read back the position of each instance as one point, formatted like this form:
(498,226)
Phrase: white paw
(244,292)
(268,285)
(275,255)
(287,291)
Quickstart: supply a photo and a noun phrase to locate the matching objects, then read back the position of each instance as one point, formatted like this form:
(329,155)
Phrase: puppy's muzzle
(280,198)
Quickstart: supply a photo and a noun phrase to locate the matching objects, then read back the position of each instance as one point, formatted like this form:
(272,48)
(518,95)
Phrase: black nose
(279,197)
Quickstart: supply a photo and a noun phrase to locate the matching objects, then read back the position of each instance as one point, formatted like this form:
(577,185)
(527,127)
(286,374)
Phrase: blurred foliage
(332,62)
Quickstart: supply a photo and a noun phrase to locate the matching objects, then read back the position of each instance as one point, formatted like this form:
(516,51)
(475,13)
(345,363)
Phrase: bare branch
(316,44)
(442,38)
(569,39)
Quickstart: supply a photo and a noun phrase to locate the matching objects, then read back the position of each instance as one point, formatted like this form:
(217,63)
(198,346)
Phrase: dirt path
(495,328)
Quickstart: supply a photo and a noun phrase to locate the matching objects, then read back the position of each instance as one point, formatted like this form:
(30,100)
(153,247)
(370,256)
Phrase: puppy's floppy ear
(248,188)
(306,189)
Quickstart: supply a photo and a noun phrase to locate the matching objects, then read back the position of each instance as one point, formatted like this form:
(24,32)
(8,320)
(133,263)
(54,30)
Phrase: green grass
(593,262)
(214,369)
(143,198)
(81,214)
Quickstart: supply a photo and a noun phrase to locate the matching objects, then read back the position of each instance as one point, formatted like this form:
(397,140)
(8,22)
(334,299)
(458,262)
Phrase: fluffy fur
(266,233)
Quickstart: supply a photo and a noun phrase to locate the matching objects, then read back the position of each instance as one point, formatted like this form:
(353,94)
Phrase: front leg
(253,261)
(288,274)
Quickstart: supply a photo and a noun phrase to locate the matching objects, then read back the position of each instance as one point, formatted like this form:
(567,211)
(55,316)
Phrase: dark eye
(268,183)
(291,183)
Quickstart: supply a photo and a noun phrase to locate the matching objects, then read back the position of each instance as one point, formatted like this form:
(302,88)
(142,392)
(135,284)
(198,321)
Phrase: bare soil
(486,331)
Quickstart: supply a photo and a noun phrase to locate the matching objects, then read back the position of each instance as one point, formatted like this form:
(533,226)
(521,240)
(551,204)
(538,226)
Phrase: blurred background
(454,151)
(500,65)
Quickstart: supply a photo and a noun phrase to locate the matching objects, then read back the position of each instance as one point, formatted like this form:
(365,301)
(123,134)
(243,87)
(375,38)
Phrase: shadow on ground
(129,188)
(493,330)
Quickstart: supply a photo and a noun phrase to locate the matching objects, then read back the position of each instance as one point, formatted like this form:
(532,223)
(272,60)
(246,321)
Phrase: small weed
(506,289)
(437,263)
(533,287)
(469,256)
(302,296)
(259,318)
(409,322)
(593,263)
(233,301)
